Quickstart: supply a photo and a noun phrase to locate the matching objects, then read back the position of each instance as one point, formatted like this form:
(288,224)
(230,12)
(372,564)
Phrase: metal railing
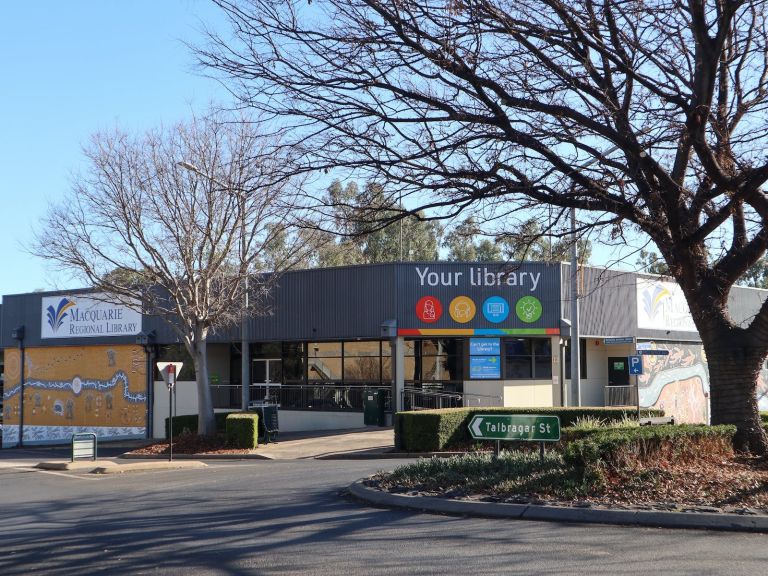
(325,397)
(471,400)
(620,395)
(344,398)
(420,399)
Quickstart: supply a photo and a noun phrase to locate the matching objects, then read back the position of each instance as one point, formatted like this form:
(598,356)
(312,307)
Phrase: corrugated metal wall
(352,302)
(607,301)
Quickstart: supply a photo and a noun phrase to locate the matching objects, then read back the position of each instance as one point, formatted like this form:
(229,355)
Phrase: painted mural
(679,383)
(67,390)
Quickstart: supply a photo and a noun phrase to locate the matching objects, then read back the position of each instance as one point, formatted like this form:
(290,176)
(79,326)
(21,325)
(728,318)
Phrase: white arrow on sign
(476,426)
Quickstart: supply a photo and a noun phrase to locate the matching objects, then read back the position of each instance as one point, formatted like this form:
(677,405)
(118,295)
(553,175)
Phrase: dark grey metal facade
(353,302)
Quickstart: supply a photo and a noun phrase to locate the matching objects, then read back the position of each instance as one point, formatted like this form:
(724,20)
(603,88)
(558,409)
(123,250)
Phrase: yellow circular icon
(462,309)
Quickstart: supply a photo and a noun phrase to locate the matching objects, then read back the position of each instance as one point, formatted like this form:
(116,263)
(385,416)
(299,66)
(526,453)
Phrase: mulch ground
(737,482)
(192,444)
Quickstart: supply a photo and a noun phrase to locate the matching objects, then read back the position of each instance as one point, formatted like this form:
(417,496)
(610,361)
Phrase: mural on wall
(67,390)
(679,383)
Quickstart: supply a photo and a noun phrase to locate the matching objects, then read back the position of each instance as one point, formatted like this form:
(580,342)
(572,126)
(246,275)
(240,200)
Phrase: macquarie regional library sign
(90,316)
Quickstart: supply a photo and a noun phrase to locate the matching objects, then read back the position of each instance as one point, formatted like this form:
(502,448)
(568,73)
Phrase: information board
(485,347)
(484,367)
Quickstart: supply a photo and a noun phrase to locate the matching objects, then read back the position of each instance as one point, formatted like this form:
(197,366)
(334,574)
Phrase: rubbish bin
(373,408)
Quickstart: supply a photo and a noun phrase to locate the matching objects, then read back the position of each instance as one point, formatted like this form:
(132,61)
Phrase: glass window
(294,368)
(362,368)
(517,367)
(436,360)
(386,369)
(362,348)
(266,350)
(542,358)
(582,359)
(518,359)
(324,369)
(324,349)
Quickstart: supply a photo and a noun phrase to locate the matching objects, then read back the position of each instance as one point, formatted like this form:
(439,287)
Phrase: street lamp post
(18,334)
(575,342)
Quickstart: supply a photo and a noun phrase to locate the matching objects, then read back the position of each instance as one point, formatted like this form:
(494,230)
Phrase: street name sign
(655,352)
(523,427)
(619,340)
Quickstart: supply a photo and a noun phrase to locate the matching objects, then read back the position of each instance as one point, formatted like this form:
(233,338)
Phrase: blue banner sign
(484,368)
(484,347)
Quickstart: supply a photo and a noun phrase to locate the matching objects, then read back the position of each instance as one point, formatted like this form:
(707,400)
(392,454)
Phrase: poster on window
(485,347)
(484,368)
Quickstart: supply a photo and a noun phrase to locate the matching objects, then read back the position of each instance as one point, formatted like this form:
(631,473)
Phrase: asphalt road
(292,517)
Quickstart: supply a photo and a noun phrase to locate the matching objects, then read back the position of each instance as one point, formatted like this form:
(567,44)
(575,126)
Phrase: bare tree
(646,116)
(182,219)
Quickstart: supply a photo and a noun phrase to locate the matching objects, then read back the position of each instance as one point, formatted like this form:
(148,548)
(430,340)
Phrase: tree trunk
(733,371)
(206,423)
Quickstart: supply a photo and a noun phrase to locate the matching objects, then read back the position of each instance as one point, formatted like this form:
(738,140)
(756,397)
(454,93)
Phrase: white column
(398,368)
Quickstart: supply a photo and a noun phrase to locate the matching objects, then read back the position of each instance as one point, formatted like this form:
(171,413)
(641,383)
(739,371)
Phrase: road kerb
(659,519)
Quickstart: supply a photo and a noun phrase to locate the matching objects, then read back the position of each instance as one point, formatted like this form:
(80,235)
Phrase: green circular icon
(528,309)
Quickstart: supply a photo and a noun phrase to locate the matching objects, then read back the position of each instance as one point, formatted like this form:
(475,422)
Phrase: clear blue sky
(69,69)
(72,68)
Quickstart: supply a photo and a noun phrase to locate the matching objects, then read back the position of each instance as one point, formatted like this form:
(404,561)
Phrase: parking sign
(635,365)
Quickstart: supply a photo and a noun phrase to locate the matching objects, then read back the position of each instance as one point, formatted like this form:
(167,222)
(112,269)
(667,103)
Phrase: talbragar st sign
(523,427)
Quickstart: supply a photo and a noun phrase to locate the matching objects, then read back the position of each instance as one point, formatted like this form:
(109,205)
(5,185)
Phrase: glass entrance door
(265,372)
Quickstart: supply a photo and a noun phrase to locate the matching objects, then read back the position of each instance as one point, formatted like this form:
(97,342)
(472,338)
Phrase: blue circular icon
(495,309)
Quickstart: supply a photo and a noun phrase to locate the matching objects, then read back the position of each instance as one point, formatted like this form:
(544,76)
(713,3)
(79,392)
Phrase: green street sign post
(515,427)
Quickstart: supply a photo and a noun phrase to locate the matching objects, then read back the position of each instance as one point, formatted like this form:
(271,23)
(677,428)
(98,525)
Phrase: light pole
(245,372)
(18,334)
(575,342)
(575,335)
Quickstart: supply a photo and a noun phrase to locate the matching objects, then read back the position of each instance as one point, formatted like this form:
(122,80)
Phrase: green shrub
(242,430)
(436,430)
(628,447)
(187,424)
(764,417)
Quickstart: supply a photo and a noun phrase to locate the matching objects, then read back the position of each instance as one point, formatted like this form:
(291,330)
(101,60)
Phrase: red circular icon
(429,309)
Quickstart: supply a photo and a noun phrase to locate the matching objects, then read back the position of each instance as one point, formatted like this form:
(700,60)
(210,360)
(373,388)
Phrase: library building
(418,334)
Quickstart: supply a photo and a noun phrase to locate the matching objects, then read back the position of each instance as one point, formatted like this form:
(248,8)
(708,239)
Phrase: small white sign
(93,316)
(169,371)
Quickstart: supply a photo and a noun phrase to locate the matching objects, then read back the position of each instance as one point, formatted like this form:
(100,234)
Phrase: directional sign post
(636,368)
(169,370)
(519,427)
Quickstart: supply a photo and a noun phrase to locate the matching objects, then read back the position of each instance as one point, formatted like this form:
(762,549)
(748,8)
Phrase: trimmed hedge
(242,430)
(437,430)
(187,424)
(621,447)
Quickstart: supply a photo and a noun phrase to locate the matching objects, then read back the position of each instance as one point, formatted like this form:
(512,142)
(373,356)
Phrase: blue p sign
(636,365)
